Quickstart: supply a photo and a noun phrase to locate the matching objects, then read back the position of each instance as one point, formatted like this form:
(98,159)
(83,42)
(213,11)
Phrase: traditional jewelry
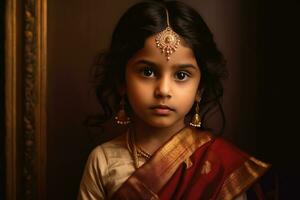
(167,40)
(132,149)
(121,117)
(136,152)
(196,120)
(143,153)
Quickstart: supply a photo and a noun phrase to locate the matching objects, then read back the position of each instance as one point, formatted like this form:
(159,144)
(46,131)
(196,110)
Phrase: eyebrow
(179,66)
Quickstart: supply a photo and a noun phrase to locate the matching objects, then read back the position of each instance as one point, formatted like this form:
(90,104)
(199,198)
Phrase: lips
(162,109)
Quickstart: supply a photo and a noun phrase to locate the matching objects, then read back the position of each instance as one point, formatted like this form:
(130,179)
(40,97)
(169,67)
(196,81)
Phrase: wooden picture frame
(25,98)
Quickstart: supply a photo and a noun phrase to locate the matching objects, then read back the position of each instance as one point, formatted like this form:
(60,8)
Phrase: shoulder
(109,149)
(220,149)
(113,155)
(104,158)
(231,154)
(238,167)
(227,151)
(218,144)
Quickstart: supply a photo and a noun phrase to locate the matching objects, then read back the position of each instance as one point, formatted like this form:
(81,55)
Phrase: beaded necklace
(136,152)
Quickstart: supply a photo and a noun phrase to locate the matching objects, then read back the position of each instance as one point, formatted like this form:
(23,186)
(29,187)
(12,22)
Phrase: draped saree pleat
(193,165)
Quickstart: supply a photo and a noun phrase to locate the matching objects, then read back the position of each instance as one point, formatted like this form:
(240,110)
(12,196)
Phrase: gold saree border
(163,164)
(242,178)
(180,147)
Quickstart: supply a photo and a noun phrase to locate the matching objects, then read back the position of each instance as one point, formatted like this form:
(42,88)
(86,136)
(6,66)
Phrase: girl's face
(162,92)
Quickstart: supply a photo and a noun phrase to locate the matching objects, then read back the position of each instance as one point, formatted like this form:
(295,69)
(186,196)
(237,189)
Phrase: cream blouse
(109,165)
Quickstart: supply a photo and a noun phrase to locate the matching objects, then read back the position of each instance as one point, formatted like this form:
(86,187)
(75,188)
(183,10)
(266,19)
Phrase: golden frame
(25,98)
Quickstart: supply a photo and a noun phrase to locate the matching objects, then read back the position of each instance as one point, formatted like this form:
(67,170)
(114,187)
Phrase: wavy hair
(141,21)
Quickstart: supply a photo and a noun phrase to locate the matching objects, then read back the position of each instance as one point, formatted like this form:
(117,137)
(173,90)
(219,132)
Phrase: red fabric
(192,184)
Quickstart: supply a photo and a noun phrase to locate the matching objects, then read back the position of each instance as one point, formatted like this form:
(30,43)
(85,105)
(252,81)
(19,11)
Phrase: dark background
(259,40)
(277,120)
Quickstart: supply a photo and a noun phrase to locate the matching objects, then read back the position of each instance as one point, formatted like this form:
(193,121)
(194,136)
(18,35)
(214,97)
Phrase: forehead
(150,51)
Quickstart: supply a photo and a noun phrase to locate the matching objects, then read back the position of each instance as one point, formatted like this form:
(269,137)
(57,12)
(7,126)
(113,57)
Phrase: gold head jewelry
(167,40)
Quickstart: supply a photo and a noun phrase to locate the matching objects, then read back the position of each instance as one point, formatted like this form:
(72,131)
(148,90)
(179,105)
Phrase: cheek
(187,97)
(137,93)
(186,102)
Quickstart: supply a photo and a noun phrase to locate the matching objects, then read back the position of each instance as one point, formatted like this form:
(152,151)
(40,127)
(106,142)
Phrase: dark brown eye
(148,72)
(181,76)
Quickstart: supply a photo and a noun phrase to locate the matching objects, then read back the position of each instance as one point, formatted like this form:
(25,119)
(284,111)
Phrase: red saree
(193,165)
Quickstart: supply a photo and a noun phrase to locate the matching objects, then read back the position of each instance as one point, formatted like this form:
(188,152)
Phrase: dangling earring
(121,117)
(196,120)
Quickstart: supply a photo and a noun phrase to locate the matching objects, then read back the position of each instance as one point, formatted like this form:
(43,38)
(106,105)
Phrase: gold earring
(196,120)
(121,117)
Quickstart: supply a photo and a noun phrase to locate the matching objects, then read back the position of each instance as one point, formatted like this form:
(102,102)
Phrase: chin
(160,124)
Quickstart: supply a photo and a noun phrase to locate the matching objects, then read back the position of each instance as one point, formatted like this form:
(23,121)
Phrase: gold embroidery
(188,163)
(206,167)
(166,160)
(240,179)
(181,147)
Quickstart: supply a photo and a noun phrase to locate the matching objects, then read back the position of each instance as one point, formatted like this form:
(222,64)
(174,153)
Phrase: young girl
(161,73)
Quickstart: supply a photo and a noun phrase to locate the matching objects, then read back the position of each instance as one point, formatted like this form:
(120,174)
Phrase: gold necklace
(143,153)
(136,151)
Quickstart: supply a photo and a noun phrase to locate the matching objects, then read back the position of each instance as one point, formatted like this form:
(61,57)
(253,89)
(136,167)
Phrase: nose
(163,88)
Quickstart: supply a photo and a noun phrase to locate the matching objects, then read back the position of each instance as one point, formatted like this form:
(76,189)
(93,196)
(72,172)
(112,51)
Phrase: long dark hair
(141,21)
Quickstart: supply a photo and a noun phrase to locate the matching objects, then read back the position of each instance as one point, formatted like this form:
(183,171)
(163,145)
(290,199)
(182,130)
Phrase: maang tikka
(167,40)
(121,116)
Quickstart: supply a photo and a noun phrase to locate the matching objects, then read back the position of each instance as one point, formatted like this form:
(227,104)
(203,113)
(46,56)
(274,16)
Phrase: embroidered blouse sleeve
(92,182)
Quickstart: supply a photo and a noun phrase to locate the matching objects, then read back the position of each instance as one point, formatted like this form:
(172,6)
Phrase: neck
(151,138)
